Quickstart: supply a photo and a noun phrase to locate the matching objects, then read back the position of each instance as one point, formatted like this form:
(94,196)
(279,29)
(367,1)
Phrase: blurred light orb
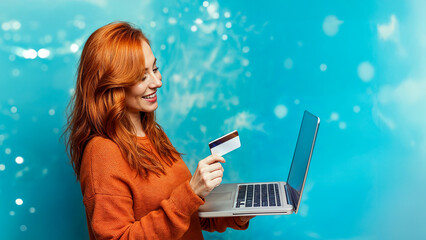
(29,54)
(246,49)
(342,125)
(43,53)
(16,25)
(331,24)
(296,101)
(245,62)
(153,24)
(74,48)
(51,112)
(334,116)
(162,47)
(280,111)
(6,26)
(288,63)
(194,28)
(323,67)
(12,213)
(198,21)
(171,39)
(32,210)
(19,202)
(224,37)
(16,72)
(205,4)
(172,21)
(19,160)
(227,14)
(13,109)
(365,71)
(23,228)
(228,25)
(8,151)
(2,167)
(356,109)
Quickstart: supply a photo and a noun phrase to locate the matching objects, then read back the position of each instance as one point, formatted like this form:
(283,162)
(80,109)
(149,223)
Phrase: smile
(150,96)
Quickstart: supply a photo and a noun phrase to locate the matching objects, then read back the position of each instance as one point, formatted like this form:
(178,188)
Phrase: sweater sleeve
(109,201)
(111,217)
(221,223)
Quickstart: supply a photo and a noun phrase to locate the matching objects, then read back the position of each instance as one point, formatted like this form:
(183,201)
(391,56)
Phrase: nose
(156,81)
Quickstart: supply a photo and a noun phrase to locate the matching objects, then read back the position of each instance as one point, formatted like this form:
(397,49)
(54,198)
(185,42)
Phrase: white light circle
(245,62)
(205,4)
(19,202)
(296,101)
(224,37)
(32,210)
(43,53)
(365,71)
(51,112)
(342,125)
(323,67)
(194,28)
(19,160)
(29,54)
(334,116)
(227,14)
(228,25)
(8,151)
(13,109)
(2,167)
(280,111)
(74,48)
(172,21)
(198,21)
(246,49)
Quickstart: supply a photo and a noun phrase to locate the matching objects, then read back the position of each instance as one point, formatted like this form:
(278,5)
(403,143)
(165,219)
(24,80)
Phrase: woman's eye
(155,69)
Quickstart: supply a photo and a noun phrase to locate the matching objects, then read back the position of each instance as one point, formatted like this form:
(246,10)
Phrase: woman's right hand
(207,176)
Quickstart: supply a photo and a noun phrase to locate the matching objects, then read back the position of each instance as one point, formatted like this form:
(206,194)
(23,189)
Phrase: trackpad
(221,196)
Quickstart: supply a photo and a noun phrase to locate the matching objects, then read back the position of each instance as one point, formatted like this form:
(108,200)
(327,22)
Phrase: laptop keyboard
(258,195)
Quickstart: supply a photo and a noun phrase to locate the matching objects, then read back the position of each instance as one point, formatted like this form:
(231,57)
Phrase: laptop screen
(302,155)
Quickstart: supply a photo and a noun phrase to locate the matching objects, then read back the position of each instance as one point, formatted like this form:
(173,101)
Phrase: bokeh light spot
(19,201)
(280,111)
(323,67)
(288,63)
(19,160)
(365,71)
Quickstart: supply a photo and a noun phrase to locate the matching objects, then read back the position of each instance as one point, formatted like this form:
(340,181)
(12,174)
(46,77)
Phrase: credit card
(225,144)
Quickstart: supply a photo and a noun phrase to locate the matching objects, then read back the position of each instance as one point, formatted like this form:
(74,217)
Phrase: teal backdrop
(254,66)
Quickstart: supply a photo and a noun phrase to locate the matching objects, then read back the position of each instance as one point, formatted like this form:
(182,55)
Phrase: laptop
(267,198)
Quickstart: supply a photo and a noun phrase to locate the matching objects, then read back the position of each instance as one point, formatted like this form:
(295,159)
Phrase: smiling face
(142,97)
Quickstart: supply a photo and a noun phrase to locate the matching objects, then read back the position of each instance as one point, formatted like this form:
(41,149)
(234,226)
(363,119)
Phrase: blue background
(254,66)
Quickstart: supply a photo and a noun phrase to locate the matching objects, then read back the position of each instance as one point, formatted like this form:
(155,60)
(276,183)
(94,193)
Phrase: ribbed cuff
(185,200)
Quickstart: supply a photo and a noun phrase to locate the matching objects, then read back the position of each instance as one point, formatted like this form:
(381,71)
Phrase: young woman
(135,184)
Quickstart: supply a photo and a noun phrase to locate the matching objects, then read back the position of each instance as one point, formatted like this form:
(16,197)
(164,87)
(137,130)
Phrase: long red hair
(111,61)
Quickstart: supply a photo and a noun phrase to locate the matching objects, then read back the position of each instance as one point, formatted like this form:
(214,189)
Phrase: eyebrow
(152,64)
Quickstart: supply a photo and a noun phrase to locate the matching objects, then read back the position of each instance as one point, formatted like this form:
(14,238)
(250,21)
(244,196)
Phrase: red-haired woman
(135,184)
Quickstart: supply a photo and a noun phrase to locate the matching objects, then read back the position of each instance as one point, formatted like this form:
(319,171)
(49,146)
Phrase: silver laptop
(267,198)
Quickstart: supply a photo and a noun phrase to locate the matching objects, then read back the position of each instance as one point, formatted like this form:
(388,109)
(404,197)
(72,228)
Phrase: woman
(134,183)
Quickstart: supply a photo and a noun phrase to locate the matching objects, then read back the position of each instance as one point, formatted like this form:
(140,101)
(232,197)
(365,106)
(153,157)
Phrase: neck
(135,119)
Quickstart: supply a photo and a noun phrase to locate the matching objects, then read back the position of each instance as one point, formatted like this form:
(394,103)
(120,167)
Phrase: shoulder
(104,166)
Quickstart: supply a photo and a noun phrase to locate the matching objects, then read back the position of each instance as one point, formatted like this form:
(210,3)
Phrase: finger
(216,182)
(211,168)
(214,175)
(213,158)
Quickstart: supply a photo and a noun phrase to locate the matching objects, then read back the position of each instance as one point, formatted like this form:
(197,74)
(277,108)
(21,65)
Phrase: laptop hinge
(288,195)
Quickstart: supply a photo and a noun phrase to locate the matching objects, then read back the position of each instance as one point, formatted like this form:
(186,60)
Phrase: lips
(152,95)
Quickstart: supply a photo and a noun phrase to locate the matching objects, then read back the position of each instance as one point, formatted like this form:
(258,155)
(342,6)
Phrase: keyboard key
(264,195)
(249,199)
(277,195)
(256,196)
(271,193)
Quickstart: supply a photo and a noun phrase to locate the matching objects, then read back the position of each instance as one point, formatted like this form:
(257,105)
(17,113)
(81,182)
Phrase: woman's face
(142,97)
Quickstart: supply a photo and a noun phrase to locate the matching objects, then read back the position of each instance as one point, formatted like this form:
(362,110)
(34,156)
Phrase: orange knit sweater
(121,205)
